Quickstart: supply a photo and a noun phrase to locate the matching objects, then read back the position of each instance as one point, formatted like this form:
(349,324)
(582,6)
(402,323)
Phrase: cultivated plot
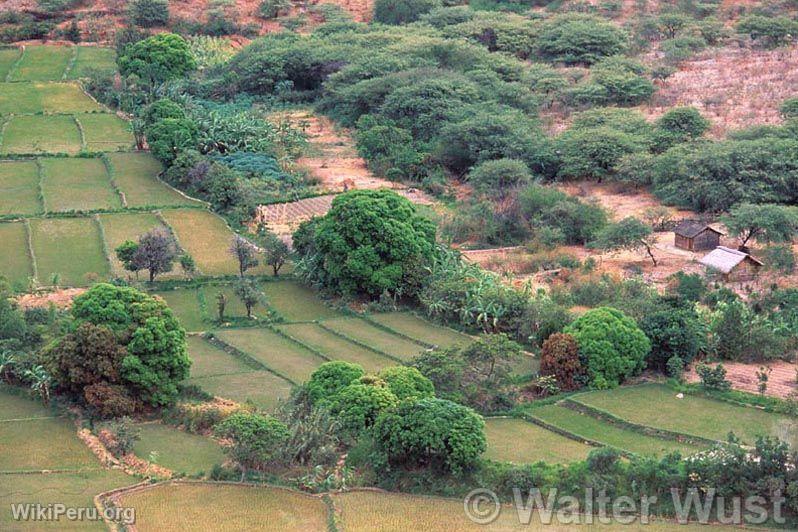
(207,360)
(43,63)
(92,58)
(77,185)
(9,55)
(594,429)
(335,347)
(185,305)
(234,307)
(119,228)
(225,507)
(69,247)
(15,261)
(363,332)
(177,450)
(136,175)
(44,97)
(19,188)
(420,329)
(296,302)
(657,406)
(105,132)
(261,388)
(39,134)
(205,237)
(521,442)
(275,351)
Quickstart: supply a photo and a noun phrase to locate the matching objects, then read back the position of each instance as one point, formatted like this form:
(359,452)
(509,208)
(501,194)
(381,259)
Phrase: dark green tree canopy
(158,58)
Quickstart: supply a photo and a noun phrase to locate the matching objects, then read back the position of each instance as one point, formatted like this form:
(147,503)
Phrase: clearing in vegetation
(655,405)
(594,429)
(206,237)
(75,490)
(277,352)
(90,58)
(296,302)
(181,506)
(43,63)
(207,360)
(136,175)
(335,347)
(77,185)
(8,58)
(117,228)
(70,247)
(522,442)
(105,132)
(362,331)
(185,305)
(19,188)
(421,330)
(41,134)
(262,388)
(177,450)
(15,262)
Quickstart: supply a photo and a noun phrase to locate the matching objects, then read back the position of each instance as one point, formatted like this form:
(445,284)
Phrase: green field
(234,307)
(421,330)
(276,352)
(19,188)
(177,450)
(186,307)
(608,434)
(656,405)
(222,507)
(262,388)
(44,97)
(15,264)
(70,247)
(522,442)
(206,237)
(364,332)
(92,58)
(121,227)
(76,490)
(41,134)
(77,185)
(335,347)
(43,63)
(207,360)
(296,302)
(8,56)
(105,132)
(136,176)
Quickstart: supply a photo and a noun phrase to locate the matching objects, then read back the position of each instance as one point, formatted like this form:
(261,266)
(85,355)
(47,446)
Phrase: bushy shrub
(713,378)
(255,439)
(149,13)
(402,11)
(157,59)
(330,378)
(499,177)
(673,332)
(407,382)
(612,347)
(170,136)
(789,108)
(357,405)
(576,221)
(579,39)
(560,358)
(771,31)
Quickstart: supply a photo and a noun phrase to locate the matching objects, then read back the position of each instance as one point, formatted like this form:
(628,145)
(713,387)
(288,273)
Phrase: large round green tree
(370,242)
(611,346)
(158,58)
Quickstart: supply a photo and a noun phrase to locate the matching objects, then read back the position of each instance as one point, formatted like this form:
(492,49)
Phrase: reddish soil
(59,298)
(781,381)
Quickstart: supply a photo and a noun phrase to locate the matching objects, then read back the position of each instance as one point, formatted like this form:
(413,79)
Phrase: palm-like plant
(7,361)
(40,382)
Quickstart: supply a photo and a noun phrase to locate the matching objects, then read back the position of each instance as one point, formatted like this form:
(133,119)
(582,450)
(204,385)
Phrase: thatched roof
(691,229)
(725,259)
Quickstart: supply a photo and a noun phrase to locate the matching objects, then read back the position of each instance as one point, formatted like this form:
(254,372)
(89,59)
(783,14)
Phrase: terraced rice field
(421,330)
(70,247)
(136,175)
(177,450)
(207,360)
(277,352)
(185,306)
(39,134)
(335,347)
(92,58)
(118,228)
(225,507)
(608,434)
(205,237)
(19,188)
(8,57)
(15,263)
(262,388)
(234,307)
(45,97)
(105,132)
(296,302)
(522,442)
(77,185)
(364,332)
(43,63)
(657,406)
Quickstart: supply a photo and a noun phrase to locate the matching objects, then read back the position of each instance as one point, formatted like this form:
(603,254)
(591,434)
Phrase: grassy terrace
(657,406)
(518,441)
(421,330)
(177,450)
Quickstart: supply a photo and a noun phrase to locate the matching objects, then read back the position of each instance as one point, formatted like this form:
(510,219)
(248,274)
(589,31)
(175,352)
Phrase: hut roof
(725,259)
(691,229)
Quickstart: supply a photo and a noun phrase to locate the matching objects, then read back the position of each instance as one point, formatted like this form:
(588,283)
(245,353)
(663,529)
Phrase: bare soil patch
(59,298)
(781,380)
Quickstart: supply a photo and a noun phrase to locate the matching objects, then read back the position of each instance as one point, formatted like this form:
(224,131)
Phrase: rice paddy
(522,442)
(206,237)
(363,332)
(15,262)
(43,63)
(105,132)
(118,228)
(19,188)
(136,175)
(177,450)
(419,329)
(77,185)
(261,388)
(207,360)
(38,134)
(296,302)
(92,58)
(70,248)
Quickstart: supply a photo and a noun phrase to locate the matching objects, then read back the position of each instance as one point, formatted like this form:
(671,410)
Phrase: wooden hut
(733,265)
(696,236)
